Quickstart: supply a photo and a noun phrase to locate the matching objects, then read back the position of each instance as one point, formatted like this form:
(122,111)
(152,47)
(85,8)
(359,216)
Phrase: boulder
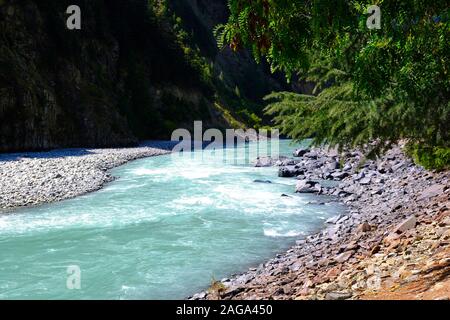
(347,167)
(405,225)
(343,257)
(199,296)
(343,193)
(301,152)
(311,155)
(327,175)
(431,192)
(377,191)
(287,162)
(289,171)
(339,175)
(365,227)
(384,167)
(333,165)
(307,186)
(365,181)
(359,176)
(265,162)
(398,166)
(333,220)
(318,188)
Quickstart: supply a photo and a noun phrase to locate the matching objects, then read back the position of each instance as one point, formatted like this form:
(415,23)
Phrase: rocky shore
(28,179)
(393,243)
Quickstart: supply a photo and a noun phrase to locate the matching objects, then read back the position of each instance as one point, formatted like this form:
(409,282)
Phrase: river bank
(155,232)
(393,243)
(34,178)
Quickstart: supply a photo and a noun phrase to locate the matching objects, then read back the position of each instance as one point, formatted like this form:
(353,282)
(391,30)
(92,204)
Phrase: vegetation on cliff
(136,70)
(378,85)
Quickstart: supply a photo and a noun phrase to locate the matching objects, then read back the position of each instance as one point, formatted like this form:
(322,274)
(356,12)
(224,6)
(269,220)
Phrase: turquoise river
(163,230)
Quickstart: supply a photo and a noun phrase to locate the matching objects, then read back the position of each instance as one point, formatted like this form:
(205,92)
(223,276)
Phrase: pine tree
(371,85)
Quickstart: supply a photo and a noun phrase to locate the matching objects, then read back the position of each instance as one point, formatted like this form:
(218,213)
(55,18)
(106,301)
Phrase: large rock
(365,181)
(327,175)
(364,227)
(301,152)
(265,162)
(339,175)
(344,257)
(398,166)
(286,162)
(359,176)
(431,192)
(347,167)
(338,295)
(307,186)
(311,155)
(290,171)
(334,165)
(384,167)
(405,225)
(333,220)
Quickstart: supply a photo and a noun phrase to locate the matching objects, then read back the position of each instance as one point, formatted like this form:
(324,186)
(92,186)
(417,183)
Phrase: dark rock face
(237,68)
(59,87)
(43,92)
(120,79)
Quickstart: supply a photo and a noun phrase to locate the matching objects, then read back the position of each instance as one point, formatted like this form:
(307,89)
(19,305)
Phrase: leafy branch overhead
(371,85)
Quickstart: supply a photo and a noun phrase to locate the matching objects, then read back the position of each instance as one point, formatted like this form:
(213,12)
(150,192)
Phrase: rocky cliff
(125,76)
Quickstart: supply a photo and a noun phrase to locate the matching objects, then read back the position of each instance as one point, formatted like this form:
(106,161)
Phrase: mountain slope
(128,75)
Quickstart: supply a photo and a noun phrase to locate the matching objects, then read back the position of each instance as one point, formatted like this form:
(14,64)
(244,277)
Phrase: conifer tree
(373,86)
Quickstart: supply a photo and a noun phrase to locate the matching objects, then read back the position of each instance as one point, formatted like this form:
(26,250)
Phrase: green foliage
(231,120)
(250,118)
(371,85)
(243,101)
(168,19)
(430,157)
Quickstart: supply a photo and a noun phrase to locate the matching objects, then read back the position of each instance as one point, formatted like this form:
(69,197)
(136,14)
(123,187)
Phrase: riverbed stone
(405,225)
(289,172)
(307,186)
(301,152)
(344,257)
(431,191)
(40,177)
(338,296)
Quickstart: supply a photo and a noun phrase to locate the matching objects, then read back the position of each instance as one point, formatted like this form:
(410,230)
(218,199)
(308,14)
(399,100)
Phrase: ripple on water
(160,231)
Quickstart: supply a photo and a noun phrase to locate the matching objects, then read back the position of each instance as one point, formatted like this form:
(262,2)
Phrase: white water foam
(277,234)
